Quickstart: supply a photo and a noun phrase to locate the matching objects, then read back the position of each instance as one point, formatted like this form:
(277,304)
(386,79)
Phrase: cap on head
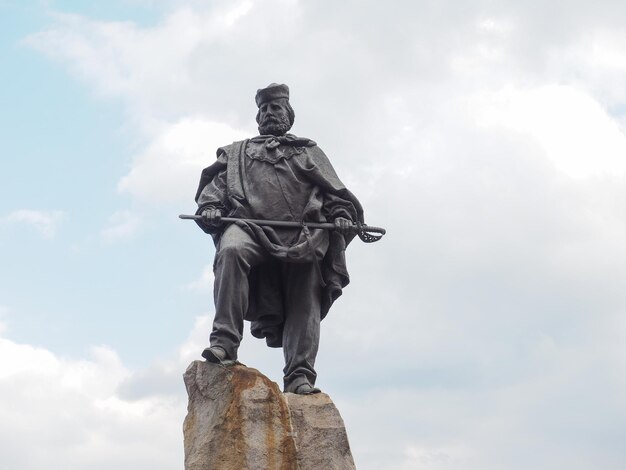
(271,92)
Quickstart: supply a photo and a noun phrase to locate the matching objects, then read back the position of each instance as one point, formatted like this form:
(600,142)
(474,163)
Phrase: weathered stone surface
(320,434)
(238,419)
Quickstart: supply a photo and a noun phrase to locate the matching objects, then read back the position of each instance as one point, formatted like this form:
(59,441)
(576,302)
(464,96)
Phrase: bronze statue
(268,203)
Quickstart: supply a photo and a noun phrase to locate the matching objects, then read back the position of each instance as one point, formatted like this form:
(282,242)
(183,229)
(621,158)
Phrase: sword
(365,232)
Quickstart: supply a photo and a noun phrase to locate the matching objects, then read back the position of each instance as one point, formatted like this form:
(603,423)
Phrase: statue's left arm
(338,200)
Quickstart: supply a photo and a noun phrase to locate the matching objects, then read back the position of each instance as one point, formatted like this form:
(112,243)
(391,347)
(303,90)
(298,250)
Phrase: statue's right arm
(213,201)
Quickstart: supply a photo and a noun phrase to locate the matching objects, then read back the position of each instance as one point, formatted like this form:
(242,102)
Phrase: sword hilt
(366,232)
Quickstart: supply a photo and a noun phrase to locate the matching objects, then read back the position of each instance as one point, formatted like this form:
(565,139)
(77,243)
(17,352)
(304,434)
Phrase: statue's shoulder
(314,148)
(316,153)
(223,155)
(230,149)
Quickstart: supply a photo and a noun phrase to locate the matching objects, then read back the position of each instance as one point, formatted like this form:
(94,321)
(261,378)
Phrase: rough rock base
(238,419)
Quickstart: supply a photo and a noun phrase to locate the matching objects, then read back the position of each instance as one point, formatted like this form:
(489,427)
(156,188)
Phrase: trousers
(237,253)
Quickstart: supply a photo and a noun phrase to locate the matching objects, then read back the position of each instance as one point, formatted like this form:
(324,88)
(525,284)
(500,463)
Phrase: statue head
(275,115)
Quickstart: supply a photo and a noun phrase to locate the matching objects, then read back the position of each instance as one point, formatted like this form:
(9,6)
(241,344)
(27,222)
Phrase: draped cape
(223,186)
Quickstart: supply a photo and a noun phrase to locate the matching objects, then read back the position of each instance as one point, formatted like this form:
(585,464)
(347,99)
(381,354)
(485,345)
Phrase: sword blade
(268,223)
(364,231)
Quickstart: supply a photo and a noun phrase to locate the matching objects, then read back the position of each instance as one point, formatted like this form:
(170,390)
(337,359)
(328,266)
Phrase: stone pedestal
(319,432)
(238,419)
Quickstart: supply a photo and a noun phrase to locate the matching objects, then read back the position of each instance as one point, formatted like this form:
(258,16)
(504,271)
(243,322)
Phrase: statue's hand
(212,217)
(344,226)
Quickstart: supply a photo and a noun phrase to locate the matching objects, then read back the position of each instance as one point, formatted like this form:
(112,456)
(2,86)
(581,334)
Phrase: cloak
(224,185)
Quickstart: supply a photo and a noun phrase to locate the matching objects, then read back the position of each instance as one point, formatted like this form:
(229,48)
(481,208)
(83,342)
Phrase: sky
(485,331)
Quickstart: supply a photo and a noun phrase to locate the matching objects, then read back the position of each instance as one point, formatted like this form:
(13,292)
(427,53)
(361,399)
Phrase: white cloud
(484,331)
(146,65)
(528,418)
(68,410)
(168,170)
(427,458)
(122,225)
(45,222)
(205,282)
(97,413)
(3,312)
(572,128)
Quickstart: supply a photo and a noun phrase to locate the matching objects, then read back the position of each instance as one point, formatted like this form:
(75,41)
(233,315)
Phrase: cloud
(122,226)
(186,114)
(529,419)
(485,330)
(45,222)
(432,458)
(124,60)
(70,412)
(574,130)
(162,377)
(3,312)
(168,170)
(205,282)
(97,412)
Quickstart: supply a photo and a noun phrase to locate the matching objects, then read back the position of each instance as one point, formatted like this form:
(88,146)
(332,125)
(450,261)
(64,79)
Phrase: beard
(275,126)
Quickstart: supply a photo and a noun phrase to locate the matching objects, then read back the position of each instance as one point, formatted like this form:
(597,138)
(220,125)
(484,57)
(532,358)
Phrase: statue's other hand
(212,217)
(344,226)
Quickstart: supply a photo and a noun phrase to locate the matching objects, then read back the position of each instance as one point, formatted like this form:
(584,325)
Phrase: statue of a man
(283,280)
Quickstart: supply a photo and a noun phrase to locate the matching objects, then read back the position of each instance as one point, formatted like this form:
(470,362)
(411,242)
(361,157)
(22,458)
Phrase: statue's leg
(301,333)
(236,254)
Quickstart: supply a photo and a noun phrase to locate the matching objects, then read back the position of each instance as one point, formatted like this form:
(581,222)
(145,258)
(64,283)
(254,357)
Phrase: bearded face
(275,118)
